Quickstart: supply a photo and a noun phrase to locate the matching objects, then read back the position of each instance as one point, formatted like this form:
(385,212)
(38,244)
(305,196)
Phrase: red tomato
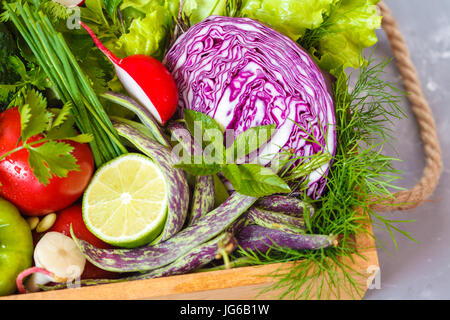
(73,216)
(21,187)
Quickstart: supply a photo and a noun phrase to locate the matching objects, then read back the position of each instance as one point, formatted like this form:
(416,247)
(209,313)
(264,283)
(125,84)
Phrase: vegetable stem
(68,79)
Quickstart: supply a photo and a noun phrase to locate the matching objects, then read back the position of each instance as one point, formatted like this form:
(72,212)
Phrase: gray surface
(420,270)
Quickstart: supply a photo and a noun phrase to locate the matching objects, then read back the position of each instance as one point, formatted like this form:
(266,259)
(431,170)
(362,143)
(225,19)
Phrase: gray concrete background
(420,270)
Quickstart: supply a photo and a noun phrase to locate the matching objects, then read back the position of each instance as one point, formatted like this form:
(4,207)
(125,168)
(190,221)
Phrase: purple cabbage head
(245,74)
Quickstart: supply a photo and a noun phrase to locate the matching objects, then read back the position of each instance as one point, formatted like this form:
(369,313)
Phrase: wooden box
(245,283)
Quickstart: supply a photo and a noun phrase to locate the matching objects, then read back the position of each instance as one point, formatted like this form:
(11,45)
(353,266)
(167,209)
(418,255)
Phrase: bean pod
(276,220)
(143,114)
(178,189)
(204,192)
(285,204)
(258,238)
(194,259)
(161,254)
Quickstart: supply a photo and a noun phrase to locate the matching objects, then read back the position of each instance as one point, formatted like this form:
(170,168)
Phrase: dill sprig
(365,107)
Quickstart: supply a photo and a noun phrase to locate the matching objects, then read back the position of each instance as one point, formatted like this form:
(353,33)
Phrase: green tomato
(16,246)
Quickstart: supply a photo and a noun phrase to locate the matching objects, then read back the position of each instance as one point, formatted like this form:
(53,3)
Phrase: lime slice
(125,203)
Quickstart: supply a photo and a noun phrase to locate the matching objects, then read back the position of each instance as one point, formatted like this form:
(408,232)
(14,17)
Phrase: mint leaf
(201,124)
(254,180)
(201,169)
(51,158)
(196,165)
(233,174)
(249,141)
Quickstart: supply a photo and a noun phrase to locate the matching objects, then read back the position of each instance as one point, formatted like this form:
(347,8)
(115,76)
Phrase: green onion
(68,79)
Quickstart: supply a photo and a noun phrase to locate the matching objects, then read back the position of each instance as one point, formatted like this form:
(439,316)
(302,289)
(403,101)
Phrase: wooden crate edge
(236,284)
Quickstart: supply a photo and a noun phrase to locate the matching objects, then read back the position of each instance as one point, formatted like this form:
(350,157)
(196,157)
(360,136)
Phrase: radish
(70,3)
(57,259)
(146,79)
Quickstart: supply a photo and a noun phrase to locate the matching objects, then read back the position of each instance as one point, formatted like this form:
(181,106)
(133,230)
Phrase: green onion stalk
(68,79)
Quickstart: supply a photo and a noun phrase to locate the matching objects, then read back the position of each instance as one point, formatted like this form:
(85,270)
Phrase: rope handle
(412,198)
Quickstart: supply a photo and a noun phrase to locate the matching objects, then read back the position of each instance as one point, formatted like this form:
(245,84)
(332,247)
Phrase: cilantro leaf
(62,115)
(81,138)
(51,158)
(34,117)
(62,126)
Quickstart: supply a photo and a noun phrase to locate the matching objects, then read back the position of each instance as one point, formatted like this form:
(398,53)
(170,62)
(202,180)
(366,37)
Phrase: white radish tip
(128,82)
(135,90)
(27,272)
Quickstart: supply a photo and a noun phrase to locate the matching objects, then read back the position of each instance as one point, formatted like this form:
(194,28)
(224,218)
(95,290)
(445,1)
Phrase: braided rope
(424,188)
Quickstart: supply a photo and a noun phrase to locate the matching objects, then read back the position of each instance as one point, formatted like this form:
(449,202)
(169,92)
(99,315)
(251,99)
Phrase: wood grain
(243,283)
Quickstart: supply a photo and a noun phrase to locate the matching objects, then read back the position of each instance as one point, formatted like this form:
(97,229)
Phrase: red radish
(70,3)
(145,79)
(57,259)
(32,271)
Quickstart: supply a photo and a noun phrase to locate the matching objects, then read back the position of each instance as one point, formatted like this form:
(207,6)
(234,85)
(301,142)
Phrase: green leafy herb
(68,79)
(201,124)
(253,179)
(249,141)
(51,158)
(111,7)
(48,155)
(34,117)
(31,76)
(247,178)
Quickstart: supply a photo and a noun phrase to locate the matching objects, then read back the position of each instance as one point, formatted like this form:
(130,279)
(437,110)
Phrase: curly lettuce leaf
(150,25)
(341,28)
(147,35)
(349,30)
(197,10)
(290,17)
(146,6)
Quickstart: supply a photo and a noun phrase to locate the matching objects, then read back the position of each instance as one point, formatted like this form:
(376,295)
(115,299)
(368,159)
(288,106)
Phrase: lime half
(125,203)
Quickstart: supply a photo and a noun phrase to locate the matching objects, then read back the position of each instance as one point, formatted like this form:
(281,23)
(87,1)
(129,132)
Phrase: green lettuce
(151,21)
(349,30)
(197,10)
(147,35)
(334,31)
(291,17)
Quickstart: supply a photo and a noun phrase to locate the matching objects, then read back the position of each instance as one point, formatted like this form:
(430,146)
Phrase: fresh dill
(360,173)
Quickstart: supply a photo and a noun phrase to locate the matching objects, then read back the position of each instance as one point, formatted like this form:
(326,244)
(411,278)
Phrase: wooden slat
(236,284)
